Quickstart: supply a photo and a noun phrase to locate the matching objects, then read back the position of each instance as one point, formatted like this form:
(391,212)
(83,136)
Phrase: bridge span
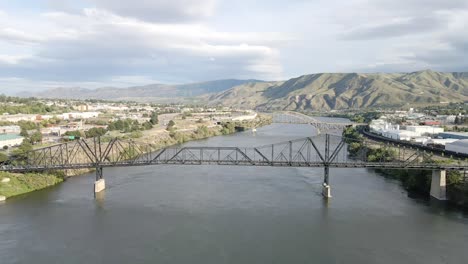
(326,151)
(290,117)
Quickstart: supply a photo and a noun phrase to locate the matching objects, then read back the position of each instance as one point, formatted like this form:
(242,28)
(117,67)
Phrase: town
(445,132)
(26,124)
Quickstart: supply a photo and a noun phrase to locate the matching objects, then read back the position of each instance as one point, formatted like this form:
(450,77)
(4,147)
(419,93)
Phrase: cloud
(91,42)
(409,35)
(17,36)
(396,27)
(160,10)
(98,45)
(388,18)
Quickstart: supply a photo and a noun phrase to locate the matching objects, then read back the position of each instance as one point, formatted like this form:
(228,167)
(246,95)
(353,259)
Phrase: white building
(460,146)
(16,118)
(10,140)
(399,134)
(79,115)
(380,125)
(425,130)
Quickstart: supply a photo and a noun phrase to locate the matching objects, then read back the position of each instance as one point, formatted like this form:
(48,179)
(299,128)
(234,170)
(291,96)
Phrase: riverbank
(18,184)
(415,181)
(12,184)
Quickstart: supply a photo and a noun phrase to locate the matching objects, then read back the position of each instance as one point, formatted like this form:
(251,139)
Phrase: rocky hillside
(326,91)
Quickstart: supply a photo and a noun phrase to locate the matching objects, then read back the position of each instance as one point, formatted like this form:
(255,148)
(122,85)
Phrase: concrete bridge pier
(439,185)
(326,191)
(100,183)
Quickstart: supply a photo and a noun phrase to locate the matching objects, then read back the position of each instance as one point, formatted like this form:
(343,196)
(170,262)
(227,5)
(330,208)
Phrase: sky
(95,43)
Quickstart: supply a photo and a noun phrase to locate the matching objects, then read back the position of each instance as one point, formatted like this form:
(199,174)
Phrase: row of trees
(31,107)
(124,125)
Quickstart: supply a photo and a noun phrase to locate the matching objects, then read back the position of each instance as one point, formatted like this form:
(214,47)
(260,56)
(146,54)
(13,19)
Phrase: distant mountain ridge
(334,91)
(314,92)
(151,91)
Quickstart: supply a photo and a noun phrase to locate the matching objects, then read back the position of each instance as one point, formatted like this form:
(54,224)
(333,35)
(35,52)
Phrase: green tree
(95,132)
(35,137)
(75,133)
(24,132)
(147,125)
(3,157)
(24,148)
(154,118)
(170,125)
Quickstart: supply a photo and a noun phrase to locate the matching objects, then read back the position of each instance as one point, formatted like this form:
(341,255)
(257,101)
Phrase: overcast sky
(93,43)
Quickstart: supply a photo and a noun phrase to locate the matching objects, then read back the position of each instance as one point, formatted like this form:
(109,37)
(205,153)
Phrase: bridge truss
(289,117)
(320,151)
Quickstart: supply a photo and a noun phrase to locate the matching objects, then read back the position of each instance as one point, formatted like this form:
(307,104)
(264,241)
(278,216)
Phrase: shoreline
(15,184)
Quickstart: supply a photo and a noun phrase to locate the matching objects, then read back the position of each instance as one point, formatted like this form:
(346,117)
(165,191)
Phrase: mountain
(327,91)
(315,92)
(152,92)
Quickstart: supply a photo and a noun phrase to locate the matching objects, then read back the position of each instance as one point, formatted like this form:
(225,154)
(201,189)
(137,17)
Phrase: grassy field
(24,183)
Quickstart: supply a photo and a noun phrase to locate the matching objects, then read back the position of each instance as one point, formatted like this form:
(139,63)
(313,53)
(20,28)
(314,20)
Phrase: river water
(223,214)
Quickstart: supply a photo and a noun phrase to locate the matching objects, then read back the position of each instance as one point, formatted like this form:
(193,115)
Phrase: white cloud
(17,36)
(11,59)
(160,10)
(98,44)
(90,42)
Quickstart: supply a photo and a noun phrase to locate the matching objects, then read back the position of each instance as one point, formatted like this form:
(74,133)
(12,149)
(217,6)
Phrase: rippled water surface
(225,214)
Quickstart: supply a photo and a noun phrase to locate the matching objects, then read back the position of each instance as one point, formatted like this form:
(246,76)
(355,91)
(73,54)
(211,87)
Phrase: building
(79,115)
(460,146)
(431,123)
(454,135)
(16,118)
(425,130)
(10,140)
(399,134)
(83,108)
(10,129)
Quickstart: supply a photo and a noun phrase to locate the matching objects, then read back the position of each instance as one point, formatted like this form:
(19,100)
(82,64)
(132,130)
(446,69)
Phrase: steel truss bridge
(289,117)
(325,150)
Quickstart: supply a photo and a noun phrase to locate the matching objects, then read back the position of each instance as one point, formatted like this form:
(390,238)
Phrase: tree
(170,126)
(24,148)
(75,133)
(35,137)
(24,132)
(154,118)
(95,132)
(3,157)
(147,125)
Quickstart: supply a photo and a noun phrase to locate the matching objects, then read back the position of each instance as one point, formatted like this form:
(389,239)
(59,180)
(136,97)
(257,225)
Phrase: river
(223,214)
